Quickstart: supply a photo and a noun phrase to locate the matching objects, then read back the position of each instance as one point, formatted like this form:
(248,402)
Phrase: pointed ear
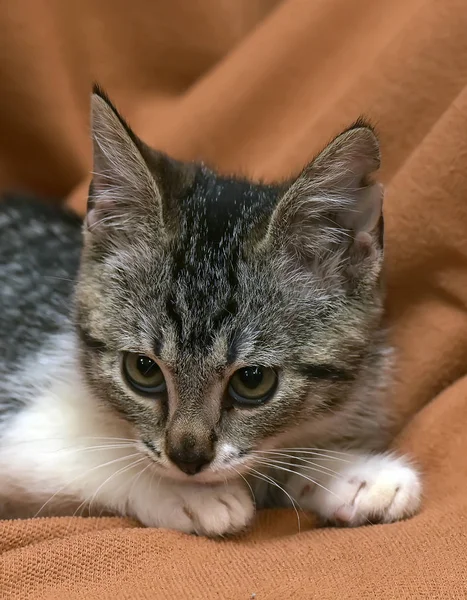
(123,187)
(334,205)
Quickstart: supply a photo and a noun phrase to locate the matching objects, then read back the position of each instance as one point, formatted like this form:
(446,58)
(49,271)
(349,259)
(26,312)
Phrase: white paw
(369,489)
(210,510)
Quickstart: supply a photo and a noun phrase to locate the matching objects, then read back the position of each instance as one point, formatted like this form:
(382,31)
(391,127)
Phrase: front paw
(210,510)
(368,489)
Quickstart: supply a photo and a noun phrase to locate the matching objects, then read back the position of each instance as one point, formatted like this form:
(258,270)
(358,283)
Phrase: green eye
(143,373)
(252,386)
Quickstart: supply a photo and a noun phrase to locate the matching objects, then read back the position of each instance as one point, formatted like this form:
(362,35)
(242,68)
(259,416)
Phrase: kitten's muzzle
(190,450)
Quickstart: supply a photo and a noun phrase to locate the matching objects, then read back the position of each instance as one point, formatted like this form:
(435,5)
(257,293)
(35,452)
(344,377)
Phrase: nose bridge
(194,395)
(188,429)
(190,436)
(190,441)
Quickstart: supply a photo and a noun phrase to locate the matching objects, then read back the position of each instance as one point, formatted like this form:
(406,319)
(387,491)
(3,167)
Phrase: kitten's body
(200,274)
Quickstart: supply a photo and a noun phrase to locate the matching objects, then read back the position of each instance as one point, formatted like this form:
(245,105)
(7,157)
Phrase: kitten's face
(221,318)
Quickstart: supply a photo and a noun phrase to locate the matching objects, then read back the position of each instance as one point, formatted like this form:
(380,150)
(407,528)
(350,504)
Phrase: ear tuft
(99,91)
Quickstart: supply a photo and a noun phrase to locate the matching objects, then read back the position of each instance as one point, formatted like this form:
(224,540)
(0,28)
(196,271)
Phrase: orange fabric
(257,87)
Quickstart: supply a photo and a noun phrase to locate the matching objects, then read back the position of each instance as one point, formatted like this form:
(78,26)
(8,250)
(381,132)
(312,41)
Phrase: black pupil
(251,377)
(145,366)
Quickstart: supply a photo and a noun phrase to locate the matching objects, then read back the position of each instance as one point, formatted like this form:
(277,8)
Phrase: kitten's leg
(357,488)
(204,509)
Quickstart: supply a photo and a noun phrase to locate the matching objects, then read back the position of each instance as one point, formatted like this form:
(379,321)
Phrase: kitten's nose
(191,454)
(189,464)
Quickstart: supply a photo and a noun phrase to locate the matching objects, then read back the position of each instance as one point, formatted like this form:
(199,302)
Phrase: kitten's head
(221,317)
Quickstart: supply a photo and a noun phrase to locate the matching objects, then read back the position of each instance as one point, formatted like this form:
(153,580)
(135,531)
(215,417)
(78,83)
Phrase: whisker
(82,506)
(93,448)
(316,467)
(137,476)
(248,484)
(313,453)
(316,455)
(300,458)
(117,443)
(73,449)
(267,479)
(122,470)
(315,483)
(308,479)
(59,439)
(106,464)
(308,449)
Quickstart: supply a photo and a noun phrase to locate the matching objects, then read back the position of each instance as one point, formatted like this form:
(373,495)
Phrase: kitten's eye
(252,385)
(143,373)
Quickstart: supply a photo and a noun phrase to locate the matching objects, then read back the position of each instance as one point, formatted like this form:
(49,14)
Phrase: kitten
(225,341)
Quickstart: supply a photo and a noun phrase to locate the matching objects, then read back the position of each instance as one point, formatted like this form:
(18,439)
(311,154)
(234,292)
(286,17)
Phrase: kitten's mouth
(228,463)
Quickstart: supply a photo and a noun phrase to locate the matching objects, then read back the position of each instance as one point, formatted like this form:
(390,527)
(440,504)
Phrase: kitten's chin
(216,476)
(211,475)
(229,463)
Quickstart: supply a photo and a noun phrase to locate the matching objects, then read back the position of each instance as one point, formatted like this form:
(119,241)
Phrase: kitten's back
(39,259)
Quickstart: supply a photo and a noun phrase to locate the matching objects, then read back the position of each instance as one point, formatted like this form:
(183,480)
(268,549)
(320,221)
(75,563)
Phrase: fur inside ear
(122,185)
(333,203)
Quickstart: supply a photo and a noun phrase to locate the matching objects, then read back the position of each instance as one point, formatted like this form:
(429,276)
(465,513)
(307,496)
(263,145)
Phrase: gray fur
(39,259)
